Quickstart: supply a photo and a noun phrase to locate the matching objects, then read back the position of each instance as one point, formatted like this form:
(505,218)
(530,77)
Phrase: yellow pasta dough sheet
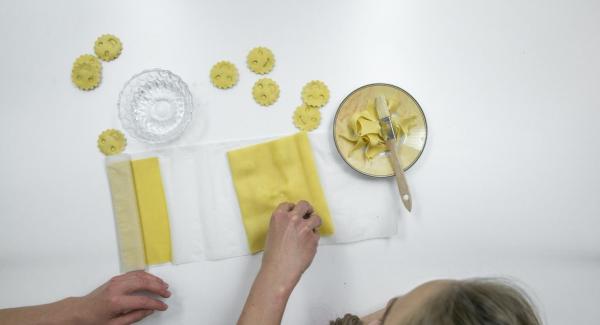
(152,207)
(269,173)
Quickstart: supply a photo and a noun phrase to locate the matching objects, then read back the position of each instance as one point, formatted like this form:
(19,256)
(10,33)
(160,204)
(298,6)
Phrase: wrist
(282,283)
(72,311)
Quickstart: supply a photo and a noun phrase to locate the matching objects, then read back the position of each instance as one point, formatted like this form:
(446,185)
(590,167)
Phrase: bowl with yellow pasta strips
(358,135)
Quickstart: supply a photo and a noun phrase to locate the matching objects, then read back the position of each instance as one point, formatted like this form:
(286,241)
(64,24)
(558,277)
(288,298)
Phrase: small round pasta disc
(87,72)
(260,60)
(112,142)
(224,75)
(315,93)
(265,91)
(108,47)
(307,118)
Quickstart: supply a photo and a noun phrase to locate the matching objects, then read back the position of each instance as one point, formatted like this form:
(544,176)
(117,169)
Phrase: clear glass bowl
(155,106)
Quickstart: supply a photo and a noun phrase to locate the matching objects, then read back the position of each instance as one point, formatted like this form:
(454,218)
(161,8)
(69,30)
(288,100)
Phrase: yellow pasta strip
(153,210)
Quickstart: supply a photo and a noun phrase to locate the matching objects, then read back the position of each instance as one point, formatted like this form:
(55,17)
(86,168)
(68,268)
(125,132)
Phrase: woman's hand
(118,301)
(291,242)
(291,246)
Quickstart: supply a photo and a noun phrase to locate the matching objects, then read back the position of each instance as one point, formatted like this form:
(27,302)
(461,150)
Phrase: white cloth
(206,219)
(181,191)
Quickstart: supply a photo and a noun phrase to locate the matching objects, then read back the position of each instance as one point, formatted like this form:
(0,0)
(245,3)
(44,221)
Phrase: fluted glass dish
(155,106)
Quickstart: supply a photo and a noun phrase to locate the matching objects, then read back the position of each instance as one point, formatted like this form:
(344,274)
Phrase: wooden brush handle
(405,195)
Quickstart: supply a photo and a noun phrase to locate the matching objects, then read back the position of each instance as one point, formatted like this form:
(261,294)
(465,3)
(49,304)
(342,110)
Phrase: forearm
(60,312)
(267,299)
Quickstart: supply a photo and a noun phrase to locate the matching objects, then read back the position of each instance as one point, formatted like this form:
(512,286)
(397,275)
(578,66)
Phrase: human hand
(290,248)
(117,302)
(291,241)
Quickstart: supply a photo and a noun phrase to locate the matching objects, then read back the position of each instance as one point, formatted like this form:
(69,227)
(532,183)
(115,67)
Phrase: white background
(508,184)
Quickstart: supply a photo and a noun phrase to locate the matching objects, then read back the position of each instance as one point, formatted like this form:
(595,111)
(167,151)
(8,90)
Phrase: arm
(290,248)
(55,313)
(113,303)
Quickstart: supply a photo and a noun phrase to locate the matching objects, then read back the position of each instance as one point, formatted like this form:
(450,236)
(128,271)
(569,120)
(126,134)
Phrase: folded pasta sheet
(269,173)
(127,220)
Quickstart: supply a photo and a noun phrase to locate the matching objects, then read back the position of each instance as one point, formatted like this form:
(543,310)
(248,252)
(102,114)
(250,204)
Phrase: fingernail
(168,293)
(148,312)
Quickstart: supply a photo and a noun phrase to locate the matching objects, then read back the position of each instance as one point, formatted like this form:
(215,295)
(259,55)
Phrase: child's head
(464,302)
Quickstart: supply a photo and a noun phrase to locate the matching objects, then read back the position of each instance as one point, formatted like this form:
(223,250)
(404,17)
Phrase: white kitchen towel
(206,219)
(181,190)
(362,207)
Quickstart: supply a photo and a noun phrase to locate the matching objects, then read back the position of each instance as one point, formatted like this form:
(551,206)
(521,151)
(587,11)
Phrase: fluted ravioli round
(86,72)
(155,106)
(265,91)
(111,142)
(315,93)
(224,75)
(307,118)
(108,47)
(260,60)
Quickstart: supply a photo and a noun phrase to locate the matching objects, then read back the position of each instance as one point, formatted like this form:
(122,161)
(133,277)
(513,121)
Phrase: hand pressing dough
(269,173)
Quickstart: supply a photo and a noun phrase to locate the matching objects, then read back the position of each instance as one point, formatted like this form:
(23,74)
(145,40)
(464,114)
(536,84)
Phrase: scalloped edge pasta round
(230,71)
(86,73)
(315,93)
(265,97)
(306,118)
(108,52)
(111,142)
(253,60)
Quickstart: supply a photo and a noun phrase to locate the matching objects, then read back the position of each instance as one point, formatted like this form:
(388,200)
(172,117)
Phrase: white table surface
(508,184)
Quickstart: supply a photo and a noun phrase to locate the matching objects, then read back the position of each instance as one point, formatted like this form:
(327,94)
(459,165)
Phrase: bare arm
(113,303)
(291,246)
(60,312)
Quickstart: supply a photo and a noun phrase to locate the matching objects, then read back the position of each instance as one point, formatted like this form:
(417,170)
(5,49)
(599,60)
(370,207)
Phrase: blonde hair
(477,302)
